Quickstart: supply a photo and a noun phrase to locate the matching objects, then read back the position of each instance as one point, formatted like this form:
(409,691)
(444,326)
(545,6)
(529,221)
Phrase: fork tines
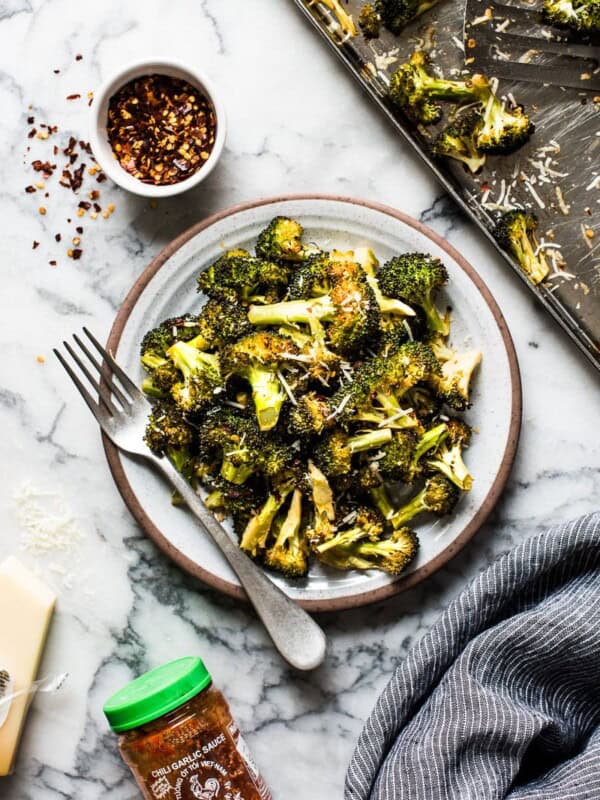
(110,398)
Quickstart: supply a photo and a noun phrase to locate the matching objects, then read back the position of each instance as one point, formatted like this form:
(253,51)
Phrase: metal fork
(503,53)
(121,411)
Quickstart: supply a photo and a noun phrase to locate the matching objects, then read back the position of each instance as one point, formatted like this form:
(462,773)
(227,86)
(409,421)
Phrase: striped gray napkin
(501,698)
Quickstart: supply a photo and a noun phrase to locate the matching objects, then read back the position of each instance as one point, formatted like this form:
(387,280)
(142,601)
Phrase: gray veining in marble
(297,124)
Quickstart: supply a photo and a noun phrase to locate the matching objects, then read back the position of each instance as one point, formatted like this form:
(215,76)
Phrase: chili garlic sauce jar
(178,737)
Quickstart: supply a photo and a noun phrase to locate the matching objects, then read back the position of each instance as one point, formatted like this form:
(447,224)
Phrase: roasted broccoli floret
(289,552)
(259,358)
(388,306)
(160,381)
(379,384)
(334,292)
(168,433)
(396,14)
(579,15)
(239,277)
(516,231)
(156,342)
(448,457)
(369,21)
(459,141)
(415,91)
(201,377)
(334,452)
(365,523)
(281,240)
(311,416)
(453,385)
(242,449)
(439,496)
(220,322)
(502,130)
(402,456)
(391,555)
(257,531)
(416,278)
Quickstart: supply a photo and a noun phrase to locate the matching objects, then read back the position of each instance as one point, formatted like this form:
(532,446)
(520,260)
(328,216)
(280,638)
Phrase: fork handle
(295,634)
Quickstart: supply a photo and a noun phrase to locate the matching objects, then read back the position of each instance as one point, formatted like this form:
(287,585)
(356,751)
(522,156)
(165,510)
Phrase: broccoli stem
(436,322)
(291,525)
(370,440)
(454,469)
(151,390)
(268,396)
(382,501)
(430,440)
(408,511)
(292,311)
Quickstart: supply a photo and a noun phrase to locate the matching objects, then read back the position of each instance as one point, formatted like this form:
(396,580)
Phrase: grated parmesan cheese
(47,522)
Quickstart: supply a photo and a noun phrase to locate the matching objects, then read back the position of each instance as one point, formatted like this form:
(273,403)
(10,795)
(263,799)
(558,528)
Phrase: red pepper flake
(56,71)
(35,244)
(97,208)
(161,129)
(101,177)
(30,120)
(84,204)
(73,96)
(58,237)
(32,133)
(76,253)
(30,189)
(79,229)
(52,263)
(78,57)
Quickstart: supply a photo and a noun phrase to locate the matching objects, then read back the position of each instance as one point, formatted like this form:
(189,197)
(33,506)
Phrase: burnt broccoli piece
(439,496)
(168,433)
(239,277)
(415,91)
(516,232)
(416,279)
(396,14)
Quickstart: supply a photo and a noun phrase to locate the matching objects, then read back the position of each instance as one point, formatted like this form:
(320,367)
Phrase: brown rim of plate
(402,584)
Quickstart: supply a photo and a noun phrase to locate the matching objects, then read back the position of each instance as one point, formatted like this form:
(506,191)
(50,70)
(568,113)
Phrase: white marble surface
(297,124)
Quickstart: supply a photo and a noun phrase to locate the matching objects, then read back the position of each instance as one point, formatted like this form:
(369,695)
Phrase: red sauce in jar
(179,739)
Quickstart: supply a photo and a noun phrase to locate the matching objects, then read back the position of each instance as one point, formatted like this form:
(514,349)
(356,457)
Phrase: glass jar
(178,737)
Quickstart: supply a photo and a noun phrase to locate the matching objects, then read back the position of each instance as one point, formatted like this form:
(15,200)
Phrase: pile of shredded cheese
(46,521)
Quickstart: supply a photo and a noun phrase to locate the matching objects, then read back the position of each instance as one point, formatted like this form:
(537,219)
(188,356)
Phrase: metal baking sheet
(563,154)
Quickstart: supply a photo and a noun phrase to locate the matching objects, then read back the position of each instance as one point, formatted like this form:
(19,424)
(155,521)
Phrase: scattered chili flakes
(73,96)
(58,237)
(76,253)
(30,120)
(52,263)
(78,57)
(56,71)
(79,229)
(35,244)
(30,189)
(161,129)
(42,210)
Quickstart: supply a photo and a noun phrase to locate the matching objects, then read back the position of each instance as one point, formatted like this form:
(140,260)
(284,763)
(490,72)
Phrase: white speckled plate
(168,287)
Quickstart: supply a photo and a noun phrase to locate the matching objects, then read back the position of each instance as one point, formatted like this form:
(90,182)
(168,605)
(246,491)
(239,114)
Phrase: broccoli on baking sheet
(516,231)
(344,19)
(306,392)
(503,130)
(458,140)
(582,16)
(392,14)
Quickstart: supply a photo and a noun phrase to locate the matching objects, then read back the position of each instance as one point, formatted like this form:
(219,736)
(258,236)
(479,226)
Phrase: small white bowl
(102,149)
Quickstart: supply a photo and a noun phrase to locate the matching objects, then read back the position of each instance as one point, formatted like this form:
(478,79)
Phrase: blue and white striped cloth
(501,698)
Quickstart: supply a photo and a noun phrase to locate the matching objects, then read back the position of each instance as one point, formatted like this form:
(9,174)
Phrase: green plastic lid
(156,692)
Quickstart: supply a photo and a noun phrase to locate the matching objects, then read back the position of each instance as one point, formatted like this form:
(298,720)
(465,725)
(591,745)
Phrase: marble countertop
(297,124)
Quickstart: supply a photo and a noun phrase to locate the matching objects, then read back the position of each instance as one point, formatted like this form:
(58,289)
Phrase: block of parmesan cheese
(26,607)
